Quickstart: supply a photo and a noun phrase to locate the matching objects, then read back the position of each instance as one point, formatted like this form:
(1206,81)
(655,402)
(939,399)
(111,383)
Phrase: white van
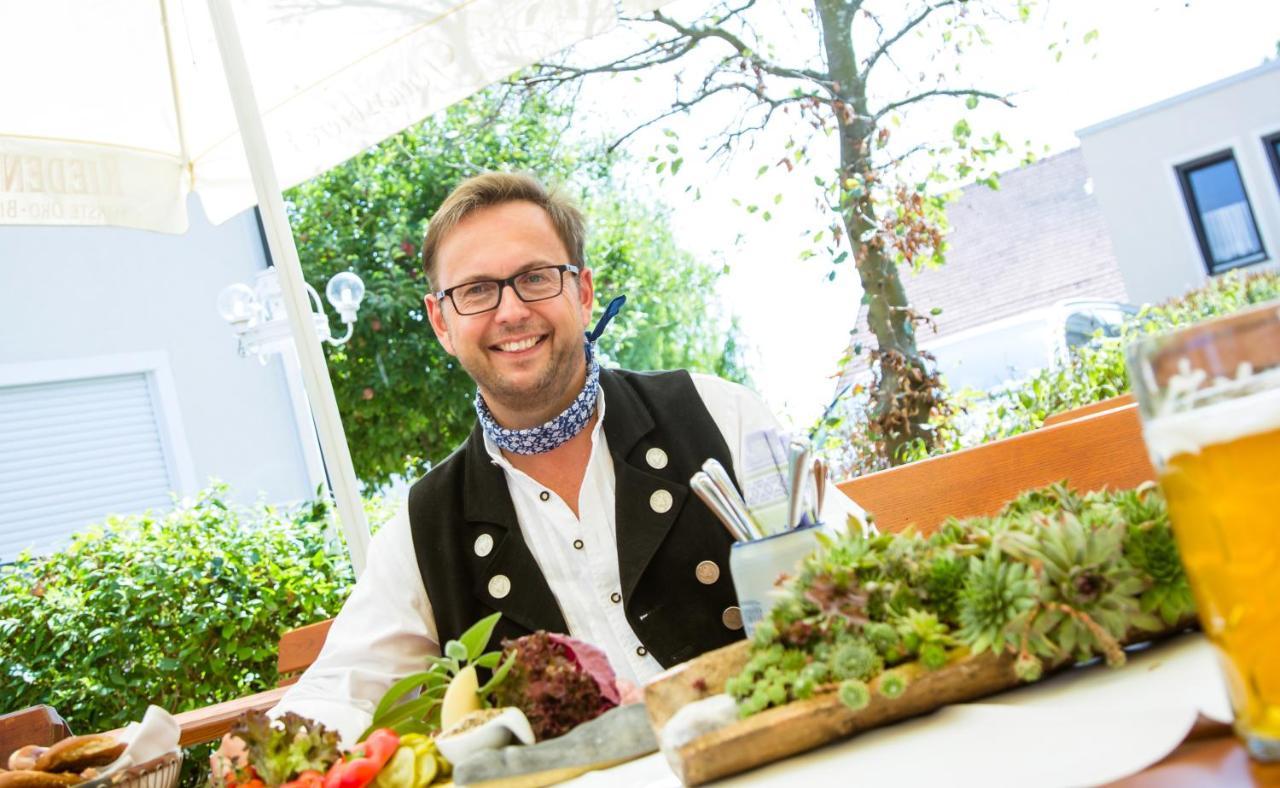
(995,355)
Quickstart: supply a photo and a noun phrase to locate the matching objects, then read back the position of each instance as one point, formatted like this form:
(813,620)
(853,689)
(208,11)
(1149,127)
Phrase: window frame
(1272,143)
(1184,171)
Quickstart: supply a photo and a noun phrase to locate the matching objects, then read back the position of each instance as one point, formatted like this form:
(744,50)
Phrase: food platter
(801,726)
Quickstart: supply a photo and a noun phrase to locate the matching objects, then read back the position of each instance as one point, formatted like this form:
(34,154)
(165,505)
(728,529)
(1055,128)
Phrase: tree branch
(677,107)
(907,28)
(705,92)
(963,92)
(745,51)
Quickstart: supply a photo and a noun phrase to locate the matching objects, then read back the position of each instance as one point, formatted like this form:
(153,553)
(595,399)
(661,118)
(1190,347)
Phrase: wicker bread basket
(162,772)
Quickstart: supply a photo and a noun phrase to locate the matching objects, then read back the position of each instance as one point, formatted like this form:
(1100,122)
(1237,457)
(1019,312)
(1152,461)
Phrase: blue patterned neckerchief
(554,433)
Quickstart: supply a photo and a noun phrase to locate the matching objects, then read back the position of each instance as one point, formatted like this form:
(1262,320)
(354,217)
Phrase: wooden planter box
(1094,450)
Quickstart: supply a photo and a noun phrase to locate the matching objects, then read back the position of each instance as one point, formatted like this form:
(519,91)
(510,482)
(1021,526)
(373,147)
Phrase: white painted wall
(70,296)
(1133,161)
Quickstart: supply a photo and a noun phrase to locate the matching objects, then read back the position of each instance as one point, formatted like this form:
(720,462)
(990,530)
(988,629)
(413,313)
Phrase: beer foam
(1223,418)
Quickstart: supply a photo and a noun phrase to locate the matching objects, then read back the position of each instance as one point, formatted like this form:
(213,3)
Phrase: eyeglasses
(536,284)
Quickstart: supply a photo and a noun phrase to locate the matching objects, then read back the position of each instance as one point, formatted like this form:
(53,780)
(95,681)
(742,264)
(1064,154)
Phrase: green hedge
(181,609)
(1098,371)
(1092,373)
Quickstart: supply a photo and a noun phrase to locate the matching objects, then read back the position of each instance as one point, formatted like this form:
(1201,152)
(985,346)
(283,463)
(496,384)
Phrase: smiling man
(568,508)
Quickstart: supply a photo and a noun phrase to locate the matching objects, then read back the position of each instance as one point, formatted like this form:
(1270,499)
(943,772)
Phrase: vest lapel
(641,529)
(489,510)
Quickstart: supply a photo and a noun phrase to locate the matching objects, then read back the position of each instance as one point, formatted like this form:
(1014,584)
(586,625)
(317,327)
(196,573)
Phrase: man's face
(526,358)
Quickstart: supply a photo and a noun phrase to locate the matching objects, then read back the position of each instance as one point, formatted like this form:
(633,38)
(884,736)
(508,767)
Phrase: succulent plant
(996,601)
(1150,548)
(1054,574)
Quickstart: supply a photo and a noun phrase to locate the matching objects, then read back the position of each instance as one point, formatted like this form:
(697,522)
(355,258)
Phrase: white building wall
(1133,161)
(78,297)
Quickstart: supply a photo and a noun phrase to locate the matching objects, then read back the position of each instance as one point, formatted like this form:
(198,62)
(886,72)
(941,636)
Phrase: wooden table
(1209,756)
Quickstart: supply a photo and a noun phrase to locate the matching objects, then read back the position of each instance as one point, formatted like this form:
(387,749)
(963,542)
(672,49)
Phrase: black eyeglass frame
(510,281)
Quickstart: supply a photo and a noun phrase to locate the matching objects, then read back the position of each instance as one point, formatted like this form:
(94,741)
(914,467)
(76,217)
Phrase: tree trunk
(904,393)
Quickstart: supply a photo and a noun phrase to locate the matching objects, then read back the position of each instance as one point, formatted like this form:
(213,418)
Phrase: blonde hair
(497,188)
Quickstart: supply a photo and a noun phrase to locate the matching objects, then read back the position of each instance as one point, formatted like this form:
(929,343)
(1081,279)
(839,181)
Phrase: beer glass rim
(1143,352)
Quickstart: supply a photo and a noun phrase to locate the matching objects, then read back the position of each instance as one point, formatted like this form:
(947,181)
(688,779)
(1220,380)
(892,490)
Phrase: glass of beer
(1209,396)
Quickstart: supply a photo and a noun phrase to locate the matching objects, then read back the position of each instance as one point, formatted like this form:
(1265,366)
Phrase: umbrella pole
(315,374)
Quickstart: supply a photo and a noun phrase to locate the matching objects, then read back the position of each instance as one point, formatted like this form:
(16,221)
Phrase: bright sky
(795,321)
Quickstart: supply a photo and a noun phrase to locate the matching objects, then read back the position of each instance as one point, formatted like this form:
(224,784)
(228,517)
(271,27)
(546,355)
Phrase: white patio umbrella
(113,111)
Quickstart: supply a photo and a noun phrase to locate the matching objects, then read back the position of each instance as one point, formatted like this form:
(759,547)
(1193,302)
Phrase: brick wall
(1039,239)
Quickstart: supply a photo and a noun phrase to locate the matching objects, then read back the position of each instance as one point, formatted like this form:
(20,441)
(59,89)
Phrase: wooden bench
(298,649)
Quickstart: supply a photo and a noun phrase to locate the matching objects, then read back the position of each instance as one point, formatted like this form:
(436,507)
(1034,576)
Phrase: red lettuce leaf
(594,662)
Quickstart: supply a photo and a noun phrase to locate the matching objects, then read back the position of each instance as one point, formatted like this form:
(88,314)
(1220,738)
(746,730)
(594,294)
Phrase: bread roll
(25,757)
(27,778)
(77,753)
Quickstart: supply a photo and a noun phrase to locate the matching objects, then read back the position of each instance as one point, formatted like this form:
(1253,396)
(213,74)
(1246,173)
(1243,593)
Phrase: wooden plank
(802,725)
(1102,450)
(1111,403)
(209,723)
(39,725)
(805,724)
(299,648)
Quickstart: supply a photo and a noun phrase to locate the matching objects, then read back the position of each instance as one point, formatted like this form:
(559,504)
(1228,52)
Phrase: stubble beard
(543,399)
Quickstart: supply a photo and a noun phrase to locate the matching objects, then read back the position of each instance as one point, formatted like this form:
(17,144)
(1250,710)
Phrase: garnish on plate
(558,682)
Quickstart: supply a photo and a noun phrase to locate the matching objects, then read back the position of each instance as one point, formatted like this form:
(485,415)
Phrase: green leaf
(499,674)
(455,652)
(404,686)
(1091,36)
(971,102)
(414,709)
(476,638)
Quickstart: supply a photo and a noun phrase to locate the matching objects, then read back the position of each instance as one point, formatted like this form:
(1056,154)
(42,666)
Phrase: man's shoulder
(658,375)
(718,392)
(712,389)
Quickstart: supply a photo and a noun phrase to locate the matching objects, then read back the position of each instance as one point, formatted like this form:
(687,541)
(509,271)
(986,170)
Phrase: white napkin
(763,478)
(156,735)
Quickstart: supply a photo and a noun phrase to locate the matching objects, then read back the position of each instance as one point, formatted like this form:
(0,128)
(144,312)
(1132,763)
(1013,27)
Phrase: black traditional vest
(673,554)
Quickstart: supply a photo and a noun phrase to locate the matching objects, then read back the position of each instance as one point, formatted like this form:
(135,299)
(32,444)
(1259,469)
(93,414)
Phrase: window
(83,438)
(1220,212)
(1273,153)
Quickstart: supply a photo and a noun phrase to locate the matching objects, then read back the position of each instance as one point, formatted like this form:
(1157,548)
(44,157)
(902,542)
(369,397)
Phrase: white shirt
(386,626)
